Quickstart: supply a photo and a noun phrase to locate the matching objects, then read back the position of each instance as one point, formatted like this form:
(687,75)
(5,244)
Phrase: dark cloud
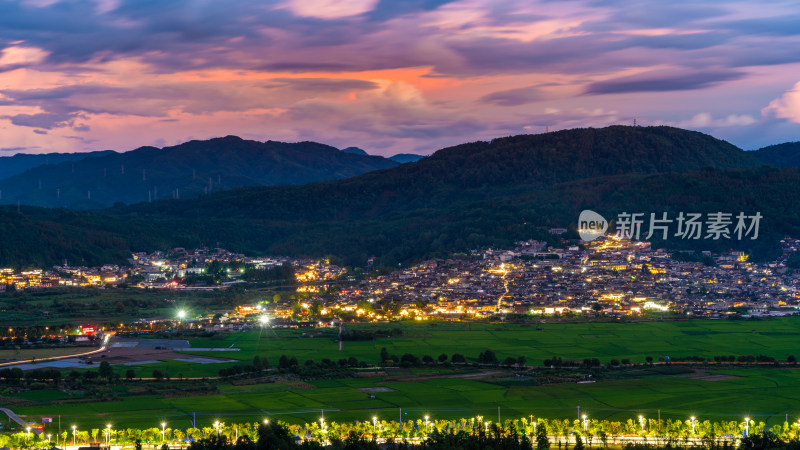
(660,82)
(305,66)
(390,9)
(691,41)
(620,15)
(784,25)
(12,149)
(66,102)
(45,121)
(40,131)
(322,84)
(515,97)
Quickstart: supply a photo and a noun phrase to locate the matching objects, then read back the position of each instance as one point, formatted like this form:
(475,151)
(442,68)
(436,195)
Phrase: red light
(88,329)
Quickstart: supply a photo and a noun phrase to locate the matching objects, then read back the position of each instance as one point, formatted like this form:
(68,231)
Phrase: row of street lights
(217,427)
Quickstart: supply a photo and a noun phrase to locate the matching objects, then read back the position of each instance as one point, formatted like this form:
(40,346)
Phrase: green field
(763,394)
(604,340)
(76,306)
(708,338)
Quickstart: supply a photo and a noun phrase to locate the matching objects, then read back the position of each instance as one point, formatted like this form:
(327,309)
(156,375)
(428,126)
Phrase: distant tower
(122,168)
(105,172)
(58,193)
(89,195)
(634,121)
(144,174)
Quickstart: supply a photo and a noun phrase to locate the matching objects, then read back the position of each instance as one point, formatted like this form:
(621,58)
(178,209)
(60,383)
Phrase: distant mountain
(16,164)
(780,155)
(354,151)
(463,197)
(183,171)
(403,158)
(487,169)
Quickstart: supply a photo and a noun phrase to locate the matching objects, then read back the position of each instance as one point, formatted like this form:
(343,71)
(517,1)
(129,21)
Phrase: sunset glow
(389,76)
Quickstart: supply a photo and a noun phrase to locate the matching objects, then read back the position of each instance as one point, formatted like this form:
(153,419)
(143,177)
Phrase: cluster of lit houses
(176,269)
(609,276)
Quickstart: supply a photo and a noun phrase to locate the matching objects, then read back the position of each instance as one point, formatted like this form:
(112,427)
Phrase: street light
(322,423)
(746,426)
(374,423)
(28,436)
(181,314)
(584,422)
(216,426)
(48,438)
(264,319)
(163,431)
(108,435)
(73,435)
(692,424)
(426,424)
(641,421)
(266,421)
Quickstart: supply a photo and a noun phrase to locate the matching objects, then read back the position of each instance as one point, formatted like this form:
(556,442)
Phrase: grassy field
(113,305)
(763,394)
(777,338)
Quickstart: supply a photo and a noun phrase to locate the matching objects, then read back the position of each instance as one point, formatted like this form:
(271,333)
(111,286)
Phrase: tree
(487,357)
(542,442)
(105,370)
(130,374)
(649,359)
(158,375)
(792,359)
(765,441)
(458,358)
(443,358)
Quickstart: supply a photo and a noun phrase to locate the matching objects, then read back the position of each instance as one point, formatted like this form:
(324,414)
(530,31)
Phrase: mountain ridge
(468,196)
(185,170)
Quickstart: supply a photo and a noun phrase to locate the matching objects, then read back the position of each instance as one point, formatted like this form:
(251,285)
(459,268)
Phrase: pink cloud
(787,106)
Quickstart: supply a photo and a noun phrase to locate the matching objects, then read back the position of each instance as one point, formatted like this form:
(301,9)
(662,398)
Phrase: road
(18,420)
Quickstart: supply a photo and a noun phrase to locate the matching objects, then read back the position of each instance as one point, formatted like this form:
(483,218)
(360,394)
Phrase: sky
(390,76)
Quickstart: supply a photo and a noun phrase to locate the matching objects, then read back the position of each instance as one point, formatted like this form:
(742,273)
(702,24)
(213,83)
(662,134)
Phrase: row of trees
(487,357)
(432,433)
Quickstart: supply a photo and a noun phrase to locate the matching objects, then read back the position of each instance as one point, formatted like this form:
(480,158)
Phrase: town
(609,277)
